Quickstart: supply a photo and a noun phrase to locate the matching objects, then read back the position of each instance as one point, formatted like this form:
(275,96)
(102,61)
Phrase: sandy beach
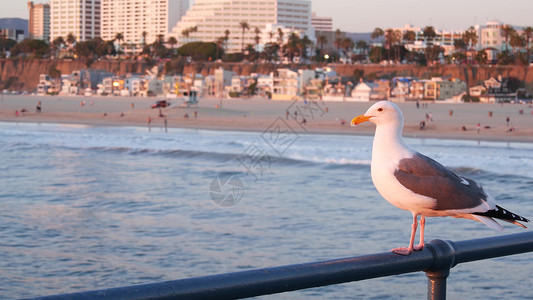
(445,121)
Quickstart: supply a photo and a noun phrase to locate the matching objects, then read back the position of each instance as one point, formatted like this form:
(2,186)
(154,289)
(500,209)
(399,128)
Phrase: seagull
(419,184)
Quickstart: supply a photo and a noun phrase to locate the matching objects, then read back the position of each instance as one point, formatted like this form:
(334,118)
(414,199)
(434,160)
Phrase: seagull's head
(383,112)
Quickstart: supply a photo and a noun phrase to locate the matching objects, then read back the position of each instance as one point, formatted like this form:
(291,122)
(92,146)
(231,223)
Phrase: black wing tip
(503,214)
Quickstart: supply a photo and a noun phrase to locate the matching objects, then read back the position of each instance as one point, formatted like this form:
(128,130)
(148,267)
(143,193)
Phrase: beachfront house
(265,84)
(285,85)
(363,91)
(237,86)
(431,89)
(498,91)
(334,90)
(48,85)
(477,90)
(69,85)
(448,89)
(209,85)
(304,79)
(401,87)
(416,90)
(222,80)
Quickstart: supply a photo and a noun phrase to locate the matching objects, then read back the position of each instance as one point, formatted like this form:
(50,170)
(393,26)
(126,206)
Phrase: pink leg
(408,250)
(420,246)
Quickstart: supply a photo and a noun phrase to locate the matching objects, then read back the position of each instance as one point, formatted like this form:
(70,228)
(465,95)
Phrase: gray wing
(427,177)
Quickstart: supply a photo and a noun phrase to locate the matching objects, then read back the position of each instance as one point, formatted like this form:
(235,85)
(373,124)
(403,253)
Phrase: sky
(364,16)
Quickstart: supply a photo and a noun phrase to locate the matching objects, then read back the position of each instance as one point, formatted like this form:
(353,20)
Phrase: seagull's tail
(499,213)
(489,222)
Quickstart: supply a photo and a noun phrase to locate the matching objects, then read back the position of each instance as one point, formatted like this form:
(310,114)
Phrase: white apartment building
(321,23)
(490,36)
(80,18)
(133,17)
(39,21)
(213,17)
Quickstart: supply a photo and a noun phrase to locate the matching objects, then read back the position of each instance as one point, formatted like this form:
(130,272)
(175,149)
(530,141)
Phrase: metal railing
(436,260)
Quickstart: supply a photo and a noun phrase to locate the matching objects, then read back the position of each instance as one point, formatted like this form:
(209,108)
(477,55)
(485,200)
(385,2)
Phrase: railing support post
(437,284)
(444,258)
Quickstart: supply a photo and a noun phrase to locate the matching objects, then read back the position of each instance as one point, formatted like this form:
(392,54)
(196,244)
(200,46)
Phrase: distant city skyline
(364,16)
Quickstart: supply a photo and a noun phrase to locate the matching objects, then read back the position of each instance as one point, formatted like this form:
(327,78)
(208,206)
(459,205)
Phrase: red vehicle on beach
(161,104)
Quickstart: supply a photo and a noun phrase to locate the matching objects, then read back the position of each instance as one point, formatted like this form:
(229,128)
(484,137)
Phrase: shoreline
(260,115)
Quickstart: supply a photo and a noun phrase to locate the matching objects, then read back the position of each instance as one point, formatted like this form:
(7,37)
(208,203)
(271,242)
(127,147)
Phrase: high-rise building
(39,21)
(81,18)
(133,17)
(321,23)
(212,18)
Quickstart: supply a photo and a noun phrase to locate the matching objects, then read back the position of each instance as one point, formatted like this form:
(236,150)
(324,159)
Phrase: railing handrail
(436,260)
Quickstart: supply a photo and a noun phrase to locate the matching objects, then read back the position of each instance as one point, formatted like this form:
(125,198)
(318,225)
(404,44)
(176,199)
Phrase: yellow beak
(360,119)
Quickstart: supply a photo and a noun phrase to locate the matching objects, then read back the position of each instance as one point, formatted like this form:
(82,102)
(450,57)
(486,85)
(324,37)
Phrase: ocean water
(86,207)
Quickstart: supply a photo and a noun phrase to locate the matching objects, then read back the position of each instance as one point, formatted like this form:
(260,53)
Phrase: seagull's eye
(380,109)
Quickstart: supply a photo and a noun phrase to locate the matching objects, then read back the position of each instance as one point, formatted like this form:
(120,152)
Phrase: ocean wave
(243,157)
(481,175)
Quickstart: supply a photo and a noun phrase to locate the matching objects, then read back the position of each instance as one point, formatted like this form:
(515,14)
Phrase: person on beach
(195,114)
(478,127)
(38,108)
(508,119)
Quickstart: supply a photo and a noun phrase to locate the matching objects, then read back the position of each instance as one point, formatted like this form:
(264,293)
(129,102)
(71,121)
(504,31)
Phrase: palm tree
(280,36)
(516,41)
(219,43)
(193,29)
(186,33)
(271,35)
(144,34)
(172,42)
(361,45)
(409,36)
(377,33)
(257,38)
(338,40)
(470,36)
(506,31)
(226,38)
(57,43)
(306,44)
(528,32)
(119,37)
(321,40)
(244,26)
(430,34)
(292,47)
(390,37)
(347,44)
(71,39)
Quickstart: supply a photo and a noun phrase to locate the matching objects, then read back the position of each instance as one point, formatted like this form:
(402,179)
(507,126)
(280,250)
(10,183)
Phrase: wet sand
(257,114)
